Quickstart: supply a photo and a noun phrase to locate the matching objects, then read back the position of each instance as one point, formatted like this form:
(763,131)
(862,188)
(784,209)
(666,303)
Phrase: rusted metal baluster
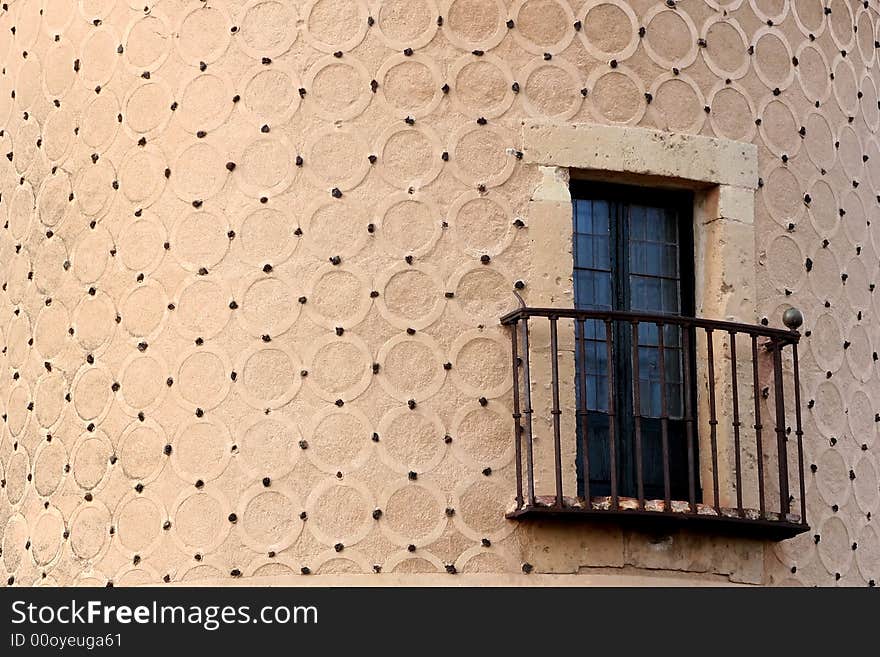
(527,411)
(734,381)
(713,419)
(517,416)
(664,418)
(637,415)
(583,408)
(759,446)
(799,432)
(556,412)
(689,417)
(612,436)
(781,447)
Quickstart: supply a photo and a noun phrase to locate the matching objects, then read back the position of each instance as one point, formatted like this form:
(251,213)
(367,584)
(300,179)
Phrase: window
(633,252)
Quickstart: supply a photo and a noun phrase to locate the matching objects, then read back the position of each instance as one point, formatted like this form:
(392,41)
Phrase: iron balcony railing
(682,419)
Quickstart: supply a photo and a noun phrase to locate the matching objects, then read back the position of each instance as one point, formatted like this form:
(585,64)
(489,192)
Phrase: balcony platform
(655,517)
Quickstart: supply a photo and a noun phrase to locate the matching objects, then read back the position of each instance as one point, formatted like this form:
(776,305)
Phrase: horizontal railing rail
(697,400)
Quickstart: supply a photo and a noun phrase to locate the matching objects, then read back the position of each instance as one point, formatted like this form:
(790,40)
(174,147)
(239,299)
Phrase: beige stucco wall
(128,234)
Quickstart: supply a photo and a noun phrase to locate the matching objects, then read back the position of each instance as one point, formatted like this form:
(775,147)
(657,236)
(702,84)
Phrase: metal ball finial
(793,318)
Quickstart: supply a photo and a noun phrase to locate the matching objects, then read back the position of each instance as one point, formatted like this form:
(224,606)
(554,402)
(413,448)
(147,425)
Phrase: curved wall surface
(239,237)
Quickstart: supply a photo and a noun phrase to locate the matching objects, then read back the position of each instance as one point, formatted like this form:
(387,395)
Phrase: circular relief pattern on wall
(94,323)
(826,341)
(726,51)
(90,531)
(864,32)
(335,227)
(611,30)
(53,198)
(865,484)
(16,408)
(410,86)
(340,511)
(411,440)
(201,307)
(201,449)
(268,446)
(47,537)
(479,505)
(142,175)
(339,439)
(845,85)
(144,310)
(142,383)
(198,172)
(812,72)
(840,23)
(551,89)
(266,29)
(147,42)
(407,23)
(141,241)
(855,220)
(199,520)
(270,518)
(21,211)
(202,34)
(50,330)
(99,123)
(147,108)
(265,166)
(202,378)
(481,154)
(138,520)
(861,417)
(677,104)
(850,152)
(200,239)
(866,557)
(783,196)
(482,223)
(93,188)
(482,294)
(828,413)
(819,141)
(616,95)
(337,89)
(474,24)
(859,354)
(869,102)
(835,549)
(337,297)
(204,101)
(269,376)
(412,513)
(825,276)
(50,465)
(411,367)
(410,296)
(91,392)
(58,135)
(409,156)
(823,207)
(481,435)
(26,154)
(857,287)
(481,86)
(337,157)
(408,224)
(98,56)
(480,363)
(543,25)
(784,260)
(49,391)
(17,469)
(58,74)
(332,25)
(268,305)
(270,94)
(140,451)
(339,367)
(773,58)
(90,460)
(266,235)
(810,16)
(779,126)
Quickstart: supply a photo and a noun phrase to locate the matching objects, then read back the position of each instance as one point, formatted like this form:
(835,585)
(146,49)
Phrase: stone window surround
(723,176)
